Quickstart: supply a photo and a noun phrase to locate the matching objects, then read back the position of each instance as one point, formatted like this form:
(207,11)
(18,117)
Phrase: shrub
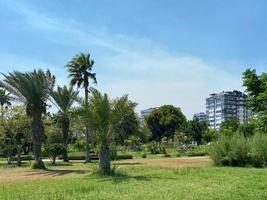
(77,157)
(155,148)
(237,150)
(143,155)
(166,155)
(55,150)
(124,156)
(258,154)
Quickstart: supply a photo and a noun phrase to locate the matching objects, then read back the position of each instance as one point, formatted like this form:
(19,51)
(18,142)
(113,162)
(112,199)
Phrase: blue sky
(159,52)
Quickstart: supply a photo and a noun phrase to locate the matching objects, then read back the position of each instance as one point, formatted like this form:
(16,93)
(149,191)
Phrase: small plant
(143,155)
(166,155)
(55,150)
(155,148)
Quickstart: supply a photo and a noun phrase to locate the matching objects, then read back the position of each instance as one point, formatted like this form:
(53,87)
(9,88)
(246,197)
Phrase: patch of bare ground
(183,162)
(14,175)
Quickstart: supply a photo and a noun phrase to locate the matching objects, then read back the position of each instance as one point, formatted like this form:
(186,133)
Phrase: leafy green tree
(256,87)
(248,128)
(80,72)
(54,146)
(129,124)
(196,129)
(209,135)
(229,126)
(164,121)
(64,99)
(5,99)
(15,134)
(32,89)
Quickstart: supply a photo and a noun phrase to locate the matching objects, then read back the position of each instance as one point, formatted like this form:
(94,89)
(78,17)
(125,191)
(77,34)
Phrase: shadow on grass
(56,172)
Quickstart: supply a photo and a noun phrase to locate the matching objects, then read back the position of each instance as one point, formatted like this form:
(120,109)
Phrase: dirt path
(25,174)
(169,162)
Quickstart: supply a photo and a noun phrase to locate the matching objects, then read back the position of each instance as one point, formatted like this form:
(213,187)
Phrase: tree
(54,143)
(164,121)
(4,100)
(196,129)
(256,88)
(32,89)
(15,133)
(80,68)
(103,124)
(129,124)
(229,126)
(64,99)
(209,135)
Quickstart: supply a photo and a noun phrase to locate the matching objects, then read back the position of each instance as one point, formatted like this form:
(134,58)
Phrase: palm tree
(32,89)
(102,121)
(4,100)
(80,68)
(64,99)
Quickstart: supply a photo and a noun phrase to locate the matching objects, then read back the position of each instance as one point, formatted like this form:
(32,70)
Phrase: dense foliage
(164,121)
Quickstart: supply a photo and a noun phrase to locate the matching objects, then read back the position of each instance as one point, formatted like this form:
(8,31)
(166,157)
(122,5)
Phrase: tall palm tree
(80,72)
(32,89)
(4,100)
(64,99)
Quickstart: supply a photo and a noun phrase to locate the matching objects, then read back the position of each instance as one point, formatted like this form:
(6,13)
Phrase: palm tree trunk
(37,135)
(87,132)
(65,134)
(104,158)
(2,112)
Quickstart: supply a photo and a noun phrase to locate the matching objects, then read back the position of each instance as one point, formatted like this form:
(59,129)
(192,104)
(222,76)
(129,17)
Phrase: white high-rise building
(225,105)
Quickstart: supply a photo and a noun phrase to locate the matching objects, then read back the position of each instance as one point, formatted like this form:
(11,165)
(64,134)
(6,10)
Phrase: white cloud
(150,74)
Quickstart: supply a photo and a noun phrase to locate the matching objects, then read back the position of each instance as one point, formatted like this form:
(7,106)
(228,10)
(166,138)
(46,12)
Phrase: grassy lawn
(136,180)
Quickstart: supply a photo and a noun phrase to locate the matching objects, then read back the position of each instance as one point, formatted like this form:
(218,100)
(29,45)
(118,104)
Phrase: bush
(237,150)
(143,155)
(124,156)
(166,155)
(76,157)
(55,150)
(258,154)
(155,148)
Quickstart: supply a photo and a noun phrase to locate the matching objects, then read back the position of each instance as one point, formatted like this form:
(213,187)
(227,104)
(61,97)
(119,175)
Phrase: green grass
(147,183)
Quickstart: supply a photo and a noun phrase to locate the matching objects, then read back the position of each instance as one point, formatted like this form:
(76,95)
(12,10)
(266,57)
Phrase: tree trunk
(87,148)
(65,134)
(53,160)
(104,159)
(2,113)
(18,157)
(87,132)
(37,136)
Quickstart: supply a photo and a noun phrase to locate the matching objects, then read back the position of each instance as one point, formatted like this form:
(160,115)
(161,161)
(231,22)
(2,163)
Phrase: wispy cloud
(149,73)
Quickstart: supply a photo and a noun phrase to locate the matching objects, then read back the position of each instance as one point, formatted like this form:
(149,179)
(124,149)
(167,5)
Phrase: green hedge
(124,156)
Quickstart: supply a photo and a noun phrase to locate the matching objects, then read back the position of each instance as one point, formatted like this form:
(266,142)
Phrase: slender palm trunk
(37,135)
(87,131)
(2,112)
(104,158)
(65,124)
